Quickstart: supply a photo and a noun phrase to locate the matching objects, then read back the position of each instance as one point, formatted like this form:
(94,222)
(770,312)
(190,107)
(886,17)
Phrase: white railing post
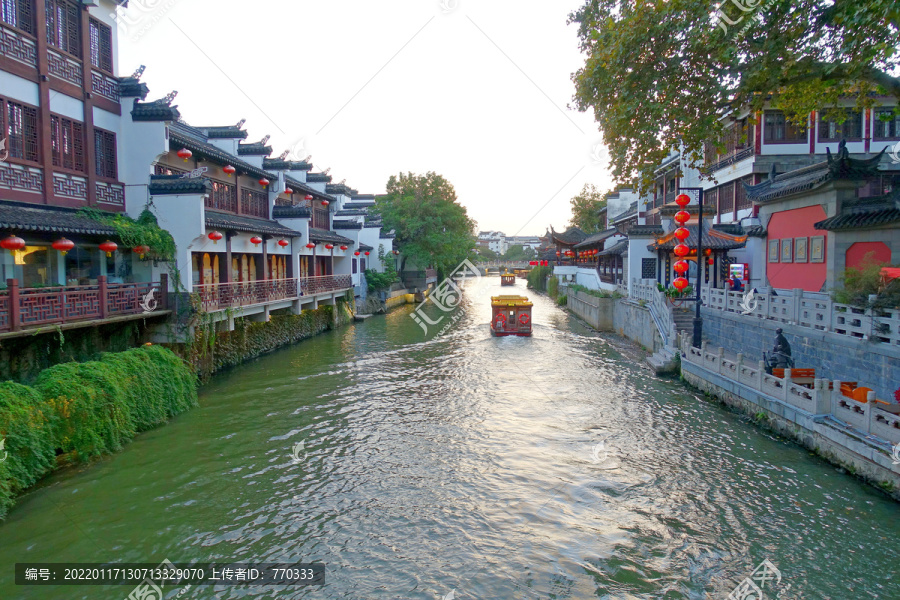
(786,382)
(760,373)
(721,360)
(870,413)
(798,306)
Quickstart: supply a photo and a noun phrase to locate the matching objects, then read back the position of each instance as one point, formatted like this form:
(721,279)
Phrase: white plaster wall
(16,88)
(139,146)
(183,217)
(637,250)
(72,108)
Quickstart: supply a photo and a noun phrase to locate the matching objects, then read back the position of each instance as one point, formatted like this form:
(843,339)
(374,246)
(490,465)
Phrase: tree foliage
(585,205)
(519,253)
(660,73)
(431,227)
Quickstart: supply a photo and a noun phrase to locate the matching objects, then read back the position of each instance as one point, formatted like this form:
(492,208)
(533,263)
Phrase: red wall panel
(790,224)
(857,252)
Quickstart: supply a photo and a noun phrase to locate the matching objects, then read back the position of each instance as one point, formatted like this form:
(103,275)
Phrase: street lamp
(698,320)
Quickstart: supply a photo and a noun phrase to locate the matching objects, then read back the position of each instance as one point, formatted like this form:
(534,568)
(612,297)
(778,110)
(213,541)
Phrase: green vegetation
(584,209)
(519,253)
(76,411)
(562,300)
(552,286)
(145,231)
(798,55)
(863,286)
(431,227)
(537,278)
(381,281)
(596,293)
(674,294)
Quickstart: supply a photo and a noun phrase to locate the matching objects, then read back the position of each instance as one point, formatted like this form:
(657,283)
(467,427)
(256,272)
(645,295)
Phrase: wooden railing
(824,398)
(217,296)
(325,283)
(23,308)
(814,311)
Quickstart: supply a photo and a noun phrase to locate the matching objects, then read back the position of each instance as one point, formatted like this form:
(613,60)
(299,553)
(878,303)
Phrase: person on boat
(781,353)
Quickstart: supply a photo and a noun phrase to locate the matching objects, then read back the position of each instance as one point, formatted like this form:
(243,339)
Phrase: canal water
(462,466)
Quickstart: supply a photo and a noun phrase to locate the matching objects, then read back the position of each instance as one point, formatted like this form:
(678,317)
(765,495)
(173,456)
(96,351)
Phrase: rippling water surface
(555,466)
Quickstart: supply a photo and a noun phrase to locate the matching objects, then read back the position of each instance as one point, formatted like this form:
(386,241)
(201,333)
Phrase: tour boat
(510,315)
(508,279)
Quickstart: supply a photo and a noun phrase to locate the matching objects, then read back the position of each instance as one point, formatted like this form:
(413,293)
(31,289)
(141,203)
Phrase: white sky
(353,82)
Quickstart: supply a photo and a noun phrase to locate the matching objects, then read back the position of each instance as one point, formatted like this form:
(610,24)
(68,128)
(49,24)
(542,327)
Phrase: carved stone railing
(813,311)
(872,417)
(219,296)
(646,290)
(23,308)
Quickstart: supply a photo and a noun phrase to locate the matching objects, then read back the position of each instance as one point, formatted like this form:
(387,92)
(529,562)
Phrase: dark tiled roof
(387,236)
(322,235)
(755,231)
(130,87)
(340,224)
(712,238)
(256,149)
(154,111)
(569,237)
(597,238)
(631,212)
(182,135)
(299,186)
(737,229)
(227,221)
(229,132)
(162,185)
(318,178)
(364,197)
(277,164)
(865,212)
(356,212)
(617,249)
(645,230)
(669,210)
(21,218)
(291,212)
(793,182)
(365,247)
(355,205)
(339,188)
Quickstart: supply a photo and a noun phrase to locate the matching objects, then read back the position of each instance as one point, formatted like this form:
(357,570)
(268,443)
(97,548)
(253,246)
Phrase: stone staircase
(665,360)
(684,319)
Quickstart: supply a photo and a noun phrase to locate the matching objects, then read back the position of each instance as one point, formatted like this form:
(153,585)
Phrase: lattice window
(726,200)
(777,128)
(67,143)
(21,131)
(63,26)
(101,46)
(320,217)
(711,197)
(254,204)
(222,197)
(740,195)
(166,170)
(648,268)
(105,153)
(19,14)
(354,266)
(850,129)
(887,124)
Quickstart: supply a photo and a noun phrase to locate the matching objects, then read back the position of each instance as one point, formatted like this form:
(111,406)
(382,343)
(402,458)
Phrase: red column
(13,289)
(103,299)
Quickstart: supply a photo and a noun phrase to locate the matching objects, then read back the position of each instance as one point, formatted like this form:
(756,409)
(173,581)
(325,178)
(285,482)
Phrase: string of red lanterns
(681,249)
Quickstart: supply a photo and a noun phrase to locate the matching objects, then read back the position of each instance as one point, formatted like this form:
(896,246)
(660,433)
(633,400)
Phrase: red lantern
(229,170)
(288,191)
(310,246)
(13,243)
(682,217)
(284,243)
(367,252)
(329,246)
(185,154)
(707,252)
(710,261)
(557,252)
(215,236)
(682,234)
(681,266)
(109,247)
(264,182)
(141,251)
(343,247)
(308,197)
(256,240)
(682,200)
(324,202)
(680,283)
(396,252)
(63,245)
(682,250)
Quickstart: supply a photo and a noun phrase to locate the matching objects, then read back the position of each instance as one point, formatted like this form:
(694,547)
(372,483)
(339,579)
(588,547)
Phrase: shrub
(25,429)
(859,283)
(553,287)
(537,279)
(562,300)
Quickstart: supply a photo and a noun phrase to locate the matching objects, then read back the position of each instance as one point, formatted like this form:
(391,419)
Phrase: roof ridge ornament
(240,123)
(167,101)
(140,71)
(264,140)
(284,155)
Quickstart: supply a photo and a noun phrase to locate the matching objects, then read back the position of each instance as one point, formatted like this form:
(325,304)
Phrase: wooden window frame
(22,12)
(877,123)
(101,55)
(18,146)
(786,126)
(841,128)
(102,141)
(61,129)
(68,41)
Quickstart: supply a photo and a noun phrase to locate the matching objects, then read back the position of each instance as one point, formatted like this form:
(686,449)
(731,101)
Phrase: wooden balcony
(219,296)
(24,309)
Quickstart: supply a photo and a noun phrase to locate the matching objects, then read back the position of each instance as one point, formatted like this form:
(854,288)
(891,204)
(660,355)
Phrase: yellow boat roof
(510,301)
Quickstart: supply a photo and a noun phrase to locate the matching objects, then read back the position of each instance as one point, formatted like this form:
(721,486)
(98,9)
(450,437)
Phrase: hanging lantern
(185,154)
(680,283)
(141,251)
(288,191)
(63,245)
(310,246)
(329,246)
(710,261)
(284,243)
(367,252)
(12,243)
(681,250)
(682,200)
(707,252)
(215,236)
(682,217)
(356,253)
(682,234)
(396,252)
(324,202)
(557,252)
(109,247)
(308,197)
(229,170)
(264,182)
(343,247)
(681,266)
